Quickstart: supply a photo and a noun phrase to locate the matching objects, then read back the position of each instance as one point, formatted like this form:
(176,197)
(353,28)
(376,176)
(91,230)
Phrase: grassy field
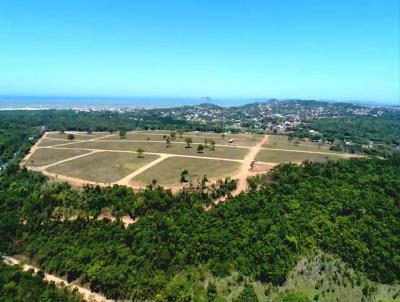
(169,170)
(278,156)
(50,142)
(102,167)
(155,147)
(240,139)
(44,157)
(281,142)
(107,167)
(83,136)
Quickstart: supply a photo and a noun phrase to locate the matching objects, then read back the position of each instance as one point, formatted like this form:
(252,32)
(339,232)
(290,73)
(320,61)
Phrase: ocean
(35,102)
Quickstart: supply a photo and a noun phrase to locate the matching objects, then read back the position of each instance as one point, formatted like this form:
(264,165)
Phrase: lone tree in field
(139,152)
(212,145)
(180,132)
(188,141)
(200,148)
(71,137)
(173,135)
(168,141)
(206,141)
(185,176)
(122,134)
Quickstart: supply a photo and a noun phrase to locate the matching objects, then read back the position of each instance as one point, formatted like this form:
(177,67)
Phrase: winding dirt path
(87,294)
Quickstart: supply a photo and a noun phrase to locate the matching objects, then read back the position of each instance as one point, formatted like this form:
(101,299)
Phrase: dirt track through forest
(87,294)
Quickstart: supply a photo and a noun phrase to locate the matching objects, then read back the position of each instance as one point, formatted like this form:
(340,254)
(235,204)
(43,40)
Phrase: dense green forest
(379,135)
(347,208)
(19,286)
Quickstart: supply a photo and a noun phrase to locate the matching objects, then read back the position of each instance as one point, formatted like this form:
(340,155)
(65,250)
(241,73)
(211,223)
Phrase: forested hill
(18,286)
(350,209)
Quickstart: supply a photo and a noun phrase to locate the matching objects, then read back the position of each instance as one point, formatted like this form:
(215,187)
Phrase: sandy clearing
(126,220)
(87,294)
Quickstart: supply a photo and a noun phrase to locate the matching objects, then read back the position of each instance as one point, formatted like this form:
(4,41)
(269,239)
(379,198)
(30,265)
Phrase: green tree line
(347,208)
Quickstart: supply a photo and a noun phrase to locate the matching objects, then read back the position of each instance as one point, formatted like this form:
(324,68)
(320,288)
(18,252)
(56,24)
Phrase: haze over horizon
(341,50)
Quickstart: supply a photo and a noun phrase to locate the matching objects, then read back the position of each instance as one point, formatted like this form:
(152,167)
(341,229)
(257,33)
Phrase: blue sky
(344,50)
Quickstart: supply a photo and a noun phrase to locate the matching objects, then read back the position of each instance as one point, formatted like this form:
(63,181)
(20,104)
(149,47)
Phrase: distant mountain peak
(209,105)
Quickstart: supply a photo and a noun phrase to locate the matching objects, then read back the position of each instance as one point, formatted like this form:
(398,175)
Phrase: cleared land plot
(155,147)
(279,156)
(168,172)
(83,136)
(105,167)
(240,139)
(43,157)
(281,142)
(51,142)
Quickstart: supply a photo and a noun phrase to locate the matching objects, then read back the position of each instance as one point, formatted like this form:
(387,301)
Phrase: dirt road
(87,294)
(244,169)
(313,152)
(41,168)
(125,181)
(102,140)
(33,149)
